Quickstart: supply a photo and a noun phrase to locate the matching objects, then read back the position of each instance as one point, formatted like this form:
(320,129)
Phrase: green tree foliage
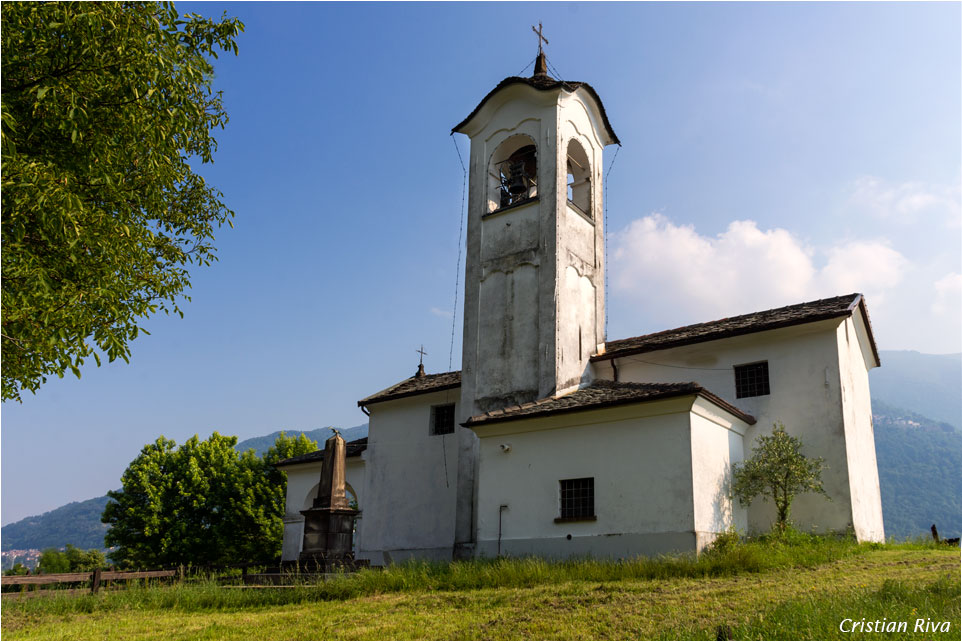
(777,470)
(104,107)
(70,560)
(200,503)
(16,569)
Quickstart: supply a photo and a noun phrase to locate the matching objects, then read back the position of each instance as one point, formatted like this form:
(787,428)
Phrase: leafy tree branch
(104,107)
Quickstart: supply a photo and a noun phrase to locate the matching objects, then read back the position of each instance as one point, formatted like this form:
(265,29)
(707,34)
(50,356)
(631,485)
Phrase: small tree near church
(777,470)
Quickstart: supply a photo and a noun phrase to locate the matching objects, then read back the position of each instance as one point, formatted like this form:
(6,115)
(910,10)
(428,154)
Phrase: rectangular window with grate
(442,419)
(577,499)
(751,380)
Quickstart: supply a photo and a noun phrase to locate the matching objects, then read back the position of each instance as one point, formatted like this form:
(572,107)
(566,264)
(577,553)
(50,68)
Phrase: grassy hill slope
(531,599)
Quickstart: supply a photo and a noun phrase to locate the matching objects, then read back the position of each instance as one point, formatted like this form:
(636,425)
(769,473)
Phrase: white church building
(553,440)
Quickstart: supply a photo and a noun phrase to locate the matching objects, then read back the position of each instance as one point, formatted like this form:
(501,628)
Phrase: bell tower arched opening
(513,173)
(579,178)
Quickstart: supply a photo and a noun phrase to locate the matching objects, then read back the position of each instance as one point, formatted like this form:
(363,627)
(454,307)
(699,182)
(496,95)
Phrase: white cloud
(741,267)
(669,274)
(443,314)
(907,201)
(948,296)
(862,266)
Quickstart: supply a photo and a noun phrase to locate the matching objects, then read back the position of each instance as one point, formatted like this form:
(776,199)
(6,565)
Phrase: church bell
(522,170)
(516,182)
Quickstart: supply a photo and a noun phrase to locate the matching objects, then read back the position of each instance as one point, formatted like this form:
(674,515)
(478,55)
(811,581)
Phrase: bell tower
(534,282)
(534,299)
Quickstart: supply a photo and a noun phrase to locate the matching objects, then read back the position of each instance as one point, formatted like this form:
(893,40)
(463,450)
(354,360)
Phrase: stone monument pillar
(329,523)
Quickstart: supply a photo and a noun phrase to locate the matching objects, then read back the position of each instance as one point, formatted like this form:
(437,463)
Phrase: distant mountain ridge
(76,523)
(927,384)
(320,435)
(917,408)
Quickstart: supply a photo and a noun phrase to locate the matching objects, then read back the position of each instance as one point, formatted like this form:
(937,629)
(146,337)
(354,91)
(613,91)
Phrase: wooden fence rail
(95,578)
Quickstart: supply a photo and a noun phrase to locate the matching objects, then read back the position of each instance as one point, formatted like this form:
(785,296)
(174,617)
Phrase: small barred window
(751,380)
(578,498)
(442,419)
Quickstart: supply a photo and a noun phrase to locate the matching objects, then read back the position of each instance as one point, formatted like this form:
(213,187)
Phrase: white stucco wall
(803,364)
(640,457)
(410,482)
(580,256)
(509,280)
(716,444)
(855,357)
(302,483)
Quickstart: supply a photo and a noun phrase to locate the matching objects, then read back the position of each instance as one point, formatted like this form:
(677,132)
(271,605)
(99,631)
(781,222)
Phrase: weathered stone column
(329,523)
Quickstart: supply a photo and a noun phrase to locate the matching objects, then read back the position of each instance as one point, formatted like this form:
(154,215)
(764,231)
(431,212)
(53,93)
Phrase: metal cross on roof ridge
(540,37)
(422,353)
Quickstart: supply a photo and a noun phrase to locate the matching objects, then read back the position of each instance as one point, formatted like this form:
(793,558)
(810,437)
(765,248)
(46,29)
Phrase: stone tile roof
(604,394)
(543,83)
(836,307)
(354,449)
(416,385)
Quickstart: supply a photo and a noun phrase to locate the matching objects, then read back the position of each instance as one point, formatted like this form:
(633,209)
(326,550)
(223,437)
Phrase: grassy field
(800,589)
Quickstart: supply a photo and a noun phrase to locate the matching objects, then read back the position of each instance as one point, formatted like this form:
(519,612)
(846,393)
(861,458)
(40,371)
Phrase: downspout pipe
(501,510)
(614,368)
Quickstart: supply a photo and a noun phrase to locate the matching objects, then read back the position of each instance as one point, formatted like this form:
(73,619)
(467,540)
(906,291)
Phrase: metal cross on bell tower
(540,37)
(541,62)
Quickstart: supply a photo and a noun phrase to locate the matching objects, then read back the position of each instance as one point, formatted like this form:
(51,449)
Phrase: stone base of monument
(328,532)
(328,540)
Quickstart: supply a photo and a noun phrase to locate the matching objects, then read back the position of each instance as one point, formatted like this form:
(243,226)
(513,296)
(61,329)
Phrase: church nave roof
(809,312)
(604,394)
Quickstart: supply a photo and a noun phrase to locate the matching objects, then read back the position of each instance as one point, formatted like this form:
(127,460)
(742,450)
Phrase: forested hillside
(77,523)
(919,463)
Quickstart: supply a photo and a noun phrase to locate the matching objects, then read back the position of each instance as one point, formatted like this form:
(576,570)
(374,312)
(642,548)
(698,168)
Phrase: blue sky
(772,153)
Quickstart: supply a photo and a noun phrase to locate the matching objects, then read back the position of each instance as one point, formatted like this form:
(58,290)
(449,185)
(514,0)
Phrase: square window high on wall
(751,380)
(442,419)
